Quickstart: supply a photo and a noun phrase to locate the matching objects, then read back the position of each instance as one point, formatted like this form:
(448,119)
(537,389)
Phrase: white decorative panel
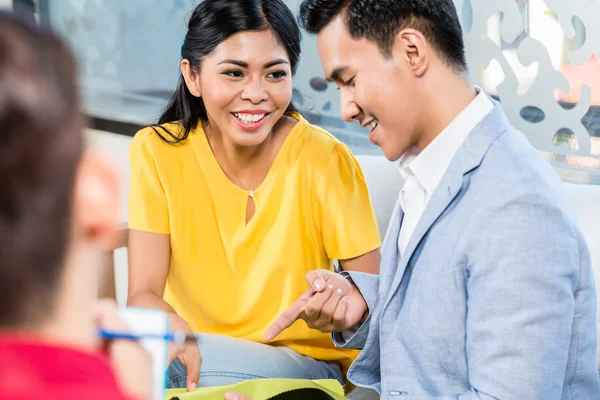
(539,58)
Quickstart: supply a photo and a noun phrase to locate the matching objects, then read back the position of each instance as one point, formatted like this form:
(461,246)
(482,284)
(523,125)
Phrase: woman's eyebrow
(244,64)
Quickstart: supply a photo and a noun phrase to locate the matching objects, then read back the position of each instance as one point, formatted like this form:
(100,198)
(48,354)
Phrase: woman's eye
(234,73)
(277,74)
(349,82)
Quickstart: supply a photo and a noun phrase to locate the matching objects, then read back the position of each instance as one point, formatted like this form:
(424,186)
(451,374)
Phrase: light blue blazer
(494,297)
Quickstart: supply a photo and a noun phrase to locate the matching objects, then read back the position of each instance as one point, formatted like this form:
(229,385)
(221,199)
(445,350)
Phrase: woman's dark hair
(213,22)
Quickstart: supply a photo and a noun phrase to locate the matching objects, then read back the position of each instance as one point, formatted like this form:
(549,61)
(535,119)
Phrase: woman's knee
(227,361)
(208,377)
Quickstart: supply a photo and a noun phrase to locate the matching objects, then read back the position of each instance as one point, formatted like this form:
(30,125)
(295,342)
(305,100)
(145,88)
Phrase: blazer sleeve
(521,280)
(368,285)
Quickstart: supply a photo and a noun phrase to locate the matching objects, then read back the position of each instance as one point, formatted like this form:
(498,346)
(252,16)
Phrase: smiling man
(486,289)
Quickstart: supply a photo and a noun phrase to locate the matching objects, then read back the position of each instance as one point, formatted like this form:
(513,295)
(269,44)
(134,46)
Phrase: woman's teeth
(373,124)
(249,118)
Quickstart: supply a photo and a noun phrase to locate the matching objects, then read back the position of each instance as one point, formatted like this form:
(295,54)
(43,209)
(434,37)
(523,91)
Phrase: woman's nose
(254,91)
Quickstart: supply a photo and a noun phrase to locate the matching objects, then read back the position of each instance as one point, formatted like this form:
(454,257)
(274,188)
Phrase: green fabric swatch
(260,389)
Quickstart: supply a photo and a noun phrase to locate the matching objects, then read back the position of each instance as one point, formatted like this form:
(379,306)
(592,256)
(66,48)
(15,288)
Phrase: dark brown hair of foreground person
(40,147)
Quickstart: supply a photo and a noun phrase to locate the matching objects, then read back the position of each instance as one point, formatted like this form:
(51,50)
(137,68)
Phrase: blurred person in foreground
(58,210)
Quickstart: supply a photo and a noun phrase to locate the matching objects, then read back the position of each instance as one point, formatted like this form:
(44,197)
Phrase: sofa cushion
(384,183)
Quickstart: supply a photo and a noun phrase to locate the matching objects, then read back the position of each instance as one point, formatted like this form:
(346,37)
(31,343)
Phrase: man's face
(377,91)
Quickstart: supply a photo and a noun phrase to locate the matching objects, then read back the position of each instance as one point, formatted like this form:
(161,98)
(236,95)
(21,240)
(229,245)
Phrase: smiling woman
(234,197)
(208,28)
(245,86)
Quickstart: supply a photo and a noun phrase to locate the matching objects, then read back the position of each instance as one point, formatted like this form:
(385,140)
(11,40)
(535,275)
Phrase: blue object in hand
(175,337)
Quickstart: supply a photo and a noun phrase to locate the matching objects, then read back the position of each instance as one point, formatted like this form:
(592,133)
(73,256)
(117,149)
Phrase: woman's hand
(187,353)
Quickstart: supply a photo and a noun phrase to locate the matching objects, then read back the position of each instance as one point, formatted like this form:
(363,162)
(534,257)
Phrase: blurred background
(538,57)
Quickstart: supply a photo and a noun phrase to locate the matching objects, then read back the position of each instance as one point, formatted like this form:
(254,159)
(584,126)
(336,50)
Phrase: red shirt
(31,369)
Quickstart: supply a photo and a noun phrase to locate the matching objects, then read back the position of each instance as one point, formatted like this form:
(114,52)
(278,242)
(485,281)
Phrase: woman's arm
(344,214)
(150,253)
(368,263)
(149,256)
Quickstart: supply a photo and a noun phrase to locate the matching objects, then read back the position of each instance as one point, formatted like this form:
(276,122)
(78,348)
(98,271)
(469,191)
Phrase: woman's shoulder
(157,139)
(318,143)
(159,133)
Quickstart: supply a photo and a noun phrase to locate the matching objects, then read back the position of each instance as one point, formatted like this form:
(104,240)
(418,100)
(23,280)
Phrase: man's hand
(236,396)
(131,364)
(187,353)
(332,304)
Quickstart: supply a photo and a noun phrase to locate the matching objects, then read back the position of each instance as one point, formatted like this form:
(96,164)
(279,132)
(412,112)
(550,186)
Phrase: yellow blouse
(231,278)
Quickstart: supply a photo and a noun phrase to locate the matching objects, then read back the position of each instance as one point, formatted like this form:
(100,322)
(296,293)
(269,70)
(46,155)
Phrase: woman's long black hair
(211,23)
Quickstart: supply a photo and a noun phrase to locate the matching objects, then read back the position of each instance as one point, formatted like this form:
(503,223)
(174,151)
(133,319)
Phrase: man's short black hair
(380,21)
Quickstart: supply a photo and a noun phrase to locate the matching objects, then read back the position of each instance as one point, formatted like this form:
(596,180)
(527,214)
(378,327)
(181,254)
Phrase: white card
(150,321)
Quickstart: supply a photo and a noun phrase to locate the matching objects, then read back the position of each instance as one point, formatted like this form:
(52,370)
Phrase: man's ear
(192,79)
(96,201)
(411,48)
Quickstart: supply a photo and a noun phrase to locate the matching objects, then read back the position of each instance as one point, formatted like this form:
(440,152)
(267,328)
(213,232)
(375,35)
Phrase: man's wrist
(365,316)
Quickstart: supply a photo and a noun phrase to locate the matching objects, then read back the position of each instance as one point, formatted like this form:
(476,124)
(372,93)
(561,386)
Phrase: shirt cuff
(347,335)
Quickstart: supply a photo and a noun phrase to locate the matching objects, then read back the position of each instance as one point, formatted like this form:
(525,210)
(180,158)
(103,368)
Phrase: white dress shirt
(422,172)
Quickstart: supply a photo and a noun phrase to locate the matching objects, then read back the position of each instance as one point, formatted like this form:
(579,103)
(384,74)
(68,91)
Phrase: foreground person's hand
(131,364)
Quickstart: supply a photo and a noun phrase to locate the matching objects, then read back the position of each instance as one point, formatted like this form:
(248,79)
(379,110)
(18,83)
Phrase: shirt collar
(405,162)
(430,165)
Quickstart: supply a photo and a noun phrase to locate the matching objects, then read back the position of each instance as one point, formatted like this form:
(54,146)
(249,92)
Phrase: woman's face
(246,86)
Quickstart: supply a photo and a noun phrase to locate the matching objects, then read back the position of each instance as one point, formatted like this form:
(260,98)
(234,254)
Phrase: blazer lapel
(440,200)
(389,249)
(468,157)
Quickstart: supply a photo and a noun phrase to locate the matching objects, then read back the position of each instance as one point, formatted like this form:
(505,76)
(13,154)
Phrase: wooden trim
(114,126)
